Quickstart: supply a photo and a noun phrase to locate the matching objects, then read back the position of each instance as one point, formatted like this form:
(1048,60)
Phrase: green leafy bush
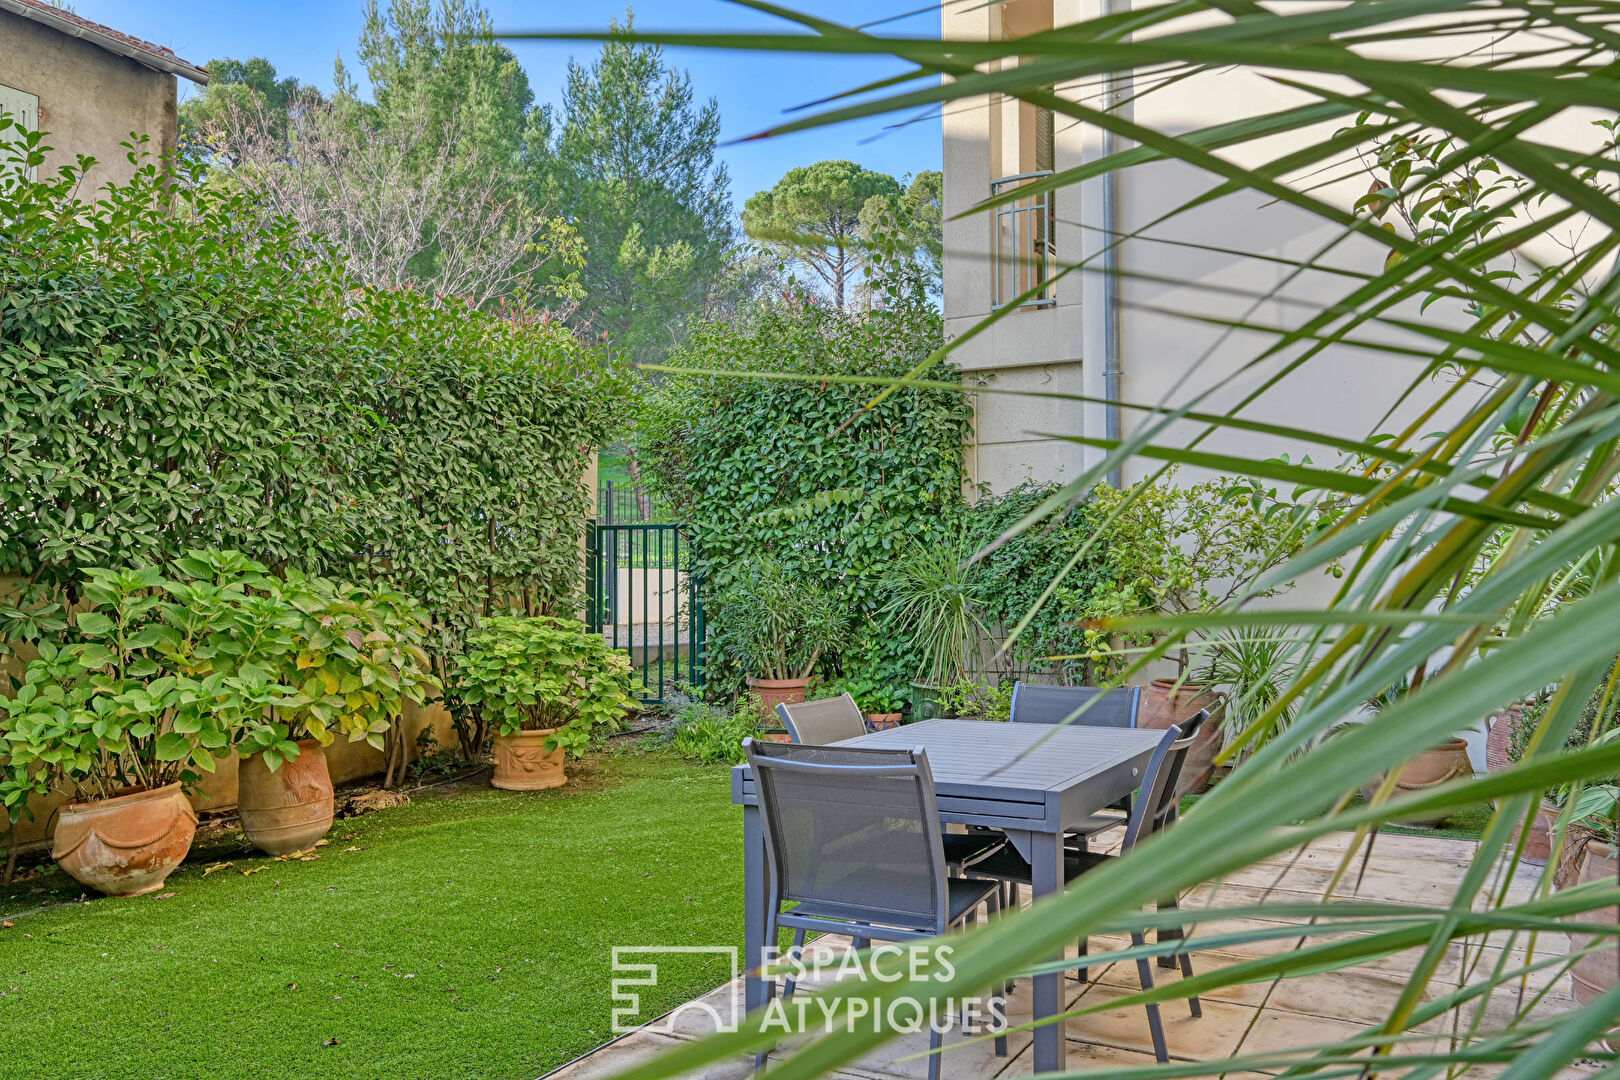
(712,735)
(969,700)
(544,674)
(802,471)
(166,673)
(186,371)
(780,627)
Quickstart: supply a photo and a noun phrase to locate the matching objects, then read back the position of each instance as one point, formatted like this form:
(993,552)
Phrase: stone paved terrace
(1250,1018)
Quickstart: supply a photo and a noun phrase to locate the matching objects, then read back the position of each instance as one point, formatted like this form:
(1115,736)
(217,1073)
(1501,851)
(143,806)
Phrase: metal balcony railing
(1025,256)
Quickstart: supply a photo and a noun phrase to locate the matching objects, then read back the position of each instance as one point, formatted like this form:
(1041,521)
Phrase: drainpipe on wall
(1110,285)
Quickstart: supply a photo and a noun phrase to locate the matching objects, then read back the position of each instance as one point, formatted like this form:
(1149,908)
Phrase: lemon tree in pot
(549,686)
(121,721)
(778,628)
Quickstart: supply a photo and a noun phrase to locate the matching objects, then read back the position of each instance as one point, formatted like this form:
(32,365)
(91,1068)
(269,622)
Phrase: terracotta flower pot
(1163,704)
(882,721)
(1499,738)
(774,692)
(1597,971)
(289,809)
(1431,768)
(522,762)
(127,845)
(1538,848)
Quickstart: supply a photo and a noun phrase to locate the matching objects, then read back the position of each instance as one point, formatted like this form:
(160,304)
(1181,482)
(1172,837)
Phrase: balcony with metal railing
(1024,258)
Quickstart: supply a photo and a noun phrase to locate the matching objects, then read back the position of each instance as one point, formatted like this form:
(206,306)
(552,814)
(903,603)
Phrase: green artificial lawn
(465,935)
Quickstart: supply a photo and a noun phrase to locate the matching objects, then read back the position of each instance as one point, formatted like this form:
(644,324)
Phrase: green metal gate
(645,596)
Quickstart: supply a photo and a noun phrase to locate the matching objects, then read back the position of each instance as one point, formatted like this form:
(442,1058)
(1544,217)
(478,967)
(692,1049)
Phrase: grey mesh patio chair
(852,839)
(832,720)
(819,723)
(1035,704)
(1155,807)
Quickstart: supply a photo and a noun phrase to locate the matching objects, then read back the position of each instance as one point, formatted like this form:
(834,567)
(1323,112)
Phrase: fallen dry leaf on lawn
(329,1042)
(164,896)
(322,843)
(6,925)
(308,858)
(352,848)
(211,867)
(250,870)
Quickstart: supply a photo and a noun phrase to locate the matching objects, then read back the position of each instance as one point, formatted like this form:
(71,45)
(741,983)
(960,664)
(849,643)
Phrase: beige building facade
(89,86)
(1179,277)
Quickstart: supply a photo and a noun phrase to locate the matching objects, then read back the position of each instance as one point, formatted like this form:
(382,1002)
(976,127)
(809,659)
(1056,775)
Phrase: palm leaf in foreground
(1460,547)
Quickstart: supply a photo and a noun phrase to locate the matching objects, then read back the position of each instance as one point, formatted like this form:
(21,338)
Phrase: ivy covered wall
(801,471)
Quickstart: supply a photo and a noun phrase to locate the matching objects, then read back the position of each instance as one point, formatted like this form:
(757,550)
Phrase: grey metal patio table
(983,776)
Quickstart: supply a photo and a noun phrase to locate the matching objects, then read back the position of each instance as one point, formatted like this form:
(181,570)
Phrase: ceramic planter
(522,762)
(289,809)
(1163,704)
(1595,973)
(1431,768)
(882,721)
(127,845)
(1538,846)
(774,692)
(925,702)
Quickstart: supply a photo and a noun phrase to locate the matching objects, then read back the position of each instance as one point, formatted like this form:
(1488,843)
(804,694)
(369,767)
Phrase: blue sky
(303,37)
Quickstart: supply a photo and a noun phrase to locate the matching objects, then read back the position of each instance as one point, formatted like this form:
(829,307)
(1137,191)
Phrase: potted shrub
(779,629)
(352,657)
(880,703)
(549,686)
(122,727)
(937,598)
(1522,724)
(1252,667)
(1443,762)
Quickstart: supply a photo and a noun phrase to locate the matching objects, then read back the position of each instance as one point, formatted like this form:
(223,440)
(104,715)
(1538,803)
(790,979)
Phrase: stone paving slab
(1251,1018)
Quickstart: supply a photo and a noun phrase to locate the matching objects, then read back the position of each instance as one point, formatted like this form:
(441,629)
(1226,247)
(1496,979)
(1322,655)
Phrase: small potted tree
(778,629)
(549,686)
(122,729)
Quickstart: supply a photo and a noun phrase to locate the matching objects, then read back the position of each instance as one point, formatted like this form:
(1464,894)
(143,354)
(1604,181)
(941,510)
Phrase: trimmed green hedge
(182,370)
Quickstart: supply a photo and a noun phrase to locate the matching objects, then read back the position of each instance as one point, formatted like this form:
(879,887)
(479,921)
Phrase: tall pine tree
(635,172)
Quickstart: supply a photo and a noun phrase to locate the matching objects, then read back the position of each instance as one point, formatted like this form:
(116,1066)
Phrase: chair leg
(1169,933)
(1187,973)
(798,949)
(935,1041)
(1155,1023)
(1084,974)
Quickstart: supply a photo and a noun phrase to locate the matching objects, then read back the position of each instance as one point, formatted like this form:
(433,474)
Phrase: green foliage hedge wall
(178,370)
(797,471)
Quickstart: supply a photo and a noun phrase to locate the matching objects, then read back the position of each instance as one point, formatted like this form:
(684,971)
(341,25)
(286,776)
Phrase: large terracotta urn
(522,762)
(1164,703)
(128,845)
(1431,768)
(1500,737)
(774,692)
(1597,971)
(882,721)
(289,809)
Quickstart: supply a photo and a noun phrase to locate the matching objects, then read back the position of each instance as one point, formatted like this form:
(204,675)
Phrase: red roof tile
(147,47)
